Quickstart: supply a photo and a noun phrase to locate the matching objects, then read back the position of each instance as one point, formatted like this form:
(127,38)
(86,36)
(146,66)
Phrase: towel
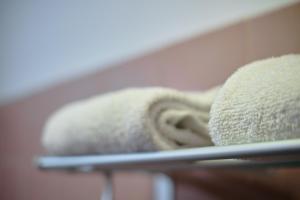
(130,120)
(259,102)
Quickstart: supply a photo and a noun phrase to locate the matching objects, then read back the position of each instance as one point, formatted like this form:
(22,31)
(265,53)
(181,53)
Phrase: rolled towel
(259,102)
(132,120)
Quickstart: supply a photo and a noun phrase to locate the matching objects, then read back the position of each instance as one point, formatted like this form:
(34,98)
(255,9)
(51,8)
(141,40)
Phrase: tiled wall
(196,64)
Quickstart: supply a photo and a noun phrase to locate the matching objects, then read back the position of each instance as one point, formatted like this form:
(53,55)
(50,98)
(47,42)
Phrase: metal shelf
(247,156)
(284,153)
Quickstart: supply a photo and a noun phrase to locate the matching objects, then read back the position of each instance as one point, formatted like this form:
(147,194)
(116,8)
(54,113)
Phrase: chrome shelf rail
(246,156)
(268,154)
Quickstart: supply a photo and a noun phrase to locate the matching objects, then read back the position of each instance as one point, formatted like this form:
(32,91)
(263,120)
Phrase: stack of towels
(259,102)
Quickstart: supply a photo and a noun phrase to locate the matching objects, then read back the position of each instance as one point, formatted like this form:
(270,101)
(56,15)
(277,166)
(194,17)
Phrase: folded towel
(131,120)
(259,102)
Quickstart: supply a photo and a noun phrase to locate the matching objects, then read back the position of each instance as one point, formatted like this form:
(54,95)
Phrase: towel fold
(132,120)
(259,102)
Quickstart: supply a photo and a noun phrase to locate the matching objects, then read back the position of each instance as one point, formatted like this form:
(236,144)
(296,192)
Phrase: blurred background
(44,42)
(54,52)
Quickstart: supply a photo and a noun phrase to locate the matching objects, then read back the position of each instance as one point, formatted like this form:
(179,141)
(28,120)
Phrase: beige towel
(260,102)
(131,120)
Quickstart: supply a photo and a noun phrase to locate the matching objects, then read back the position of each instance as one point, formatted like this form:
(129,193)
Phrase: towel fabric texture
(131,120)
(259,102)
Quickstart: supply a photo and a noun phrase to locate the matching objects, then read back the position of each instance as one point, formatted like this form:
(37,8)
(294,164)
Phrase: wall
(197,63)
(45,42)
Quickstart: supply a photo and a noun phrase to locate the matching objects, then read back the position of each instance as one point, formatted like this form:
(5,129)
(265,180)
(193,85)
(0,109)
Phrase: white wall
(42,42)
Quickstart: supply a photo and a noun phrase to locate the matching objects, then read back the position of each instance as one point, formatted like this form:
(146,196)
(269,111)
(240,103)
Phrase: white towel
(131,120)
(259,102)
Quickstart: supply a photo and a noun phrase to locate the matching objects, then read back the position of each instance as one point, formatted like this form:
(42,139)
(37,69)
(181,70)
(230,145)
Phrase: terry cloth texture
(259,102)
(131,120)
